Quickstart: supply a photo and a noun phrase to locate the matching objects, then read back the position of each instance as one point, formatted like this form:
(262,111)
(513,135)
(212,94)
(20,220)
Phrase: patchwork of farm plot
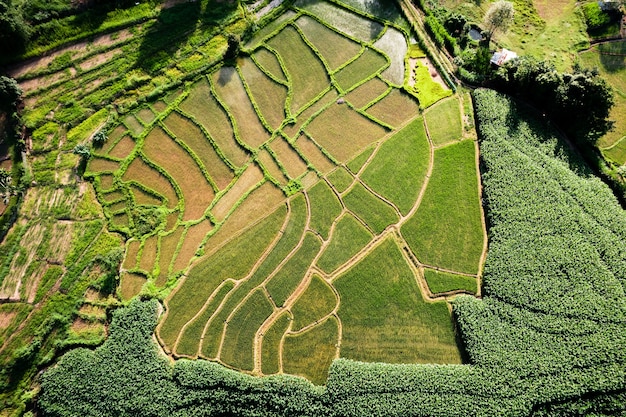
(312,210)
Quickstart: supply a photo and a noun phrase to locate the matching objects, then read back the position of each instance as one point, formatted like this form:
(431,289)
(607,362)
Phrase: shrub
(595,16)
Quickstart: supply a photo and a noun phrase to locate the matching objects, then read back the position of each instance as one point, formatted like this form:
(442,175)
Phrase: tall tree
(499,16)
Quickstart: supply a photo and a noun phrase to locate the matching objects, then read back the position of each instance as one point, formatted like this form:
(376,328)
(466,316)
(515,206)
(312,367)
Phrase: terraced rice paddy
(301,211)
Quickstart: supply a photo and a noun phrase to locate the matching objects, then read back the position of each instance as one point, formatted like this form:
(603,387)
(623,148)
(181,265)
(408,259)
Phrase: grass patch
(310,354)
(343,132)
(288,157)
(231,91)
(395,108)
(268,61)
(315,303)
(340,179)
(367,64)
(376,213)
(325,207)
(347,240)
(444,122)
(142,173)
(343,20)
(427,90)
(270,350)
(446,230)
(186,131)
(268,95)
(394,45)
(287,279)
(232,261)
(130,285)
(201,104)
(305,71)
(384,317)
(238,348)
(122,148)
(440,282)
(367,92)
(314,154)
(334,48)
(398,170)
(183,169)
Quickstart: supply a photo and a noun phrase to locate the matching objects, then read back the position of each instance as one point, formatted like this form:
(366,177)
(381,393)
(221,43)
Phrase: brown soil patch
(93,311)
(143,198)
(250,177)
(132,249)
(83,326)
(106,182)
(99,59)
(309,180)
(148,254)
(6,318)
(130,285)
(551,9)
(123,148)
(78,49)
(44,81)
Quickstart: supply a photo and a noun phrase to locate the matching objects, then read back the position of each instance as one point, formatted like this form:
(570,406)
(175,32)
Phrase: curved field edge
(524,360)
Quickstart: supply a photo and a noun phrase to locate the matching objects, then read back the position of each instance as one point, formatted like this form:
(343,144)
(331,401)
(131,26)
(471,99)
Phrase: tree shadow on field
(613,56)
(225,75)
(173,27)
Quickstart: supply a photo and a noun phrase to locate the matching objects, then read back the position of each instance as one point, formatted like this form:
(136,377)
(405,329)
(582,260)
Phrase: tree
(499,16)
(10,94)
(14,32)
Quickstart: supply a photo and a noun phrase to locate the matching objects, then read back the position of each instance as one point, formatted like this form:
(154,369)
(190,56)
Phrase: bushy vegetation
(579,102)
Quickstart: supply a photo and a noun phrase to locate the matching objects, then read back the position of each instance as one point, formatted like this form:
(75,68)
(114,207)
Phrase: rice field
(368,63)
(267,94)
(395,108)
(197,193)
(333,48)
(348,238)
(204,108)
(122,148)
(305,72)
(444,121)
(288,157)
(141,173)
(285,186)
(367,92)
(191,135)
(446,229)
(328,130)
